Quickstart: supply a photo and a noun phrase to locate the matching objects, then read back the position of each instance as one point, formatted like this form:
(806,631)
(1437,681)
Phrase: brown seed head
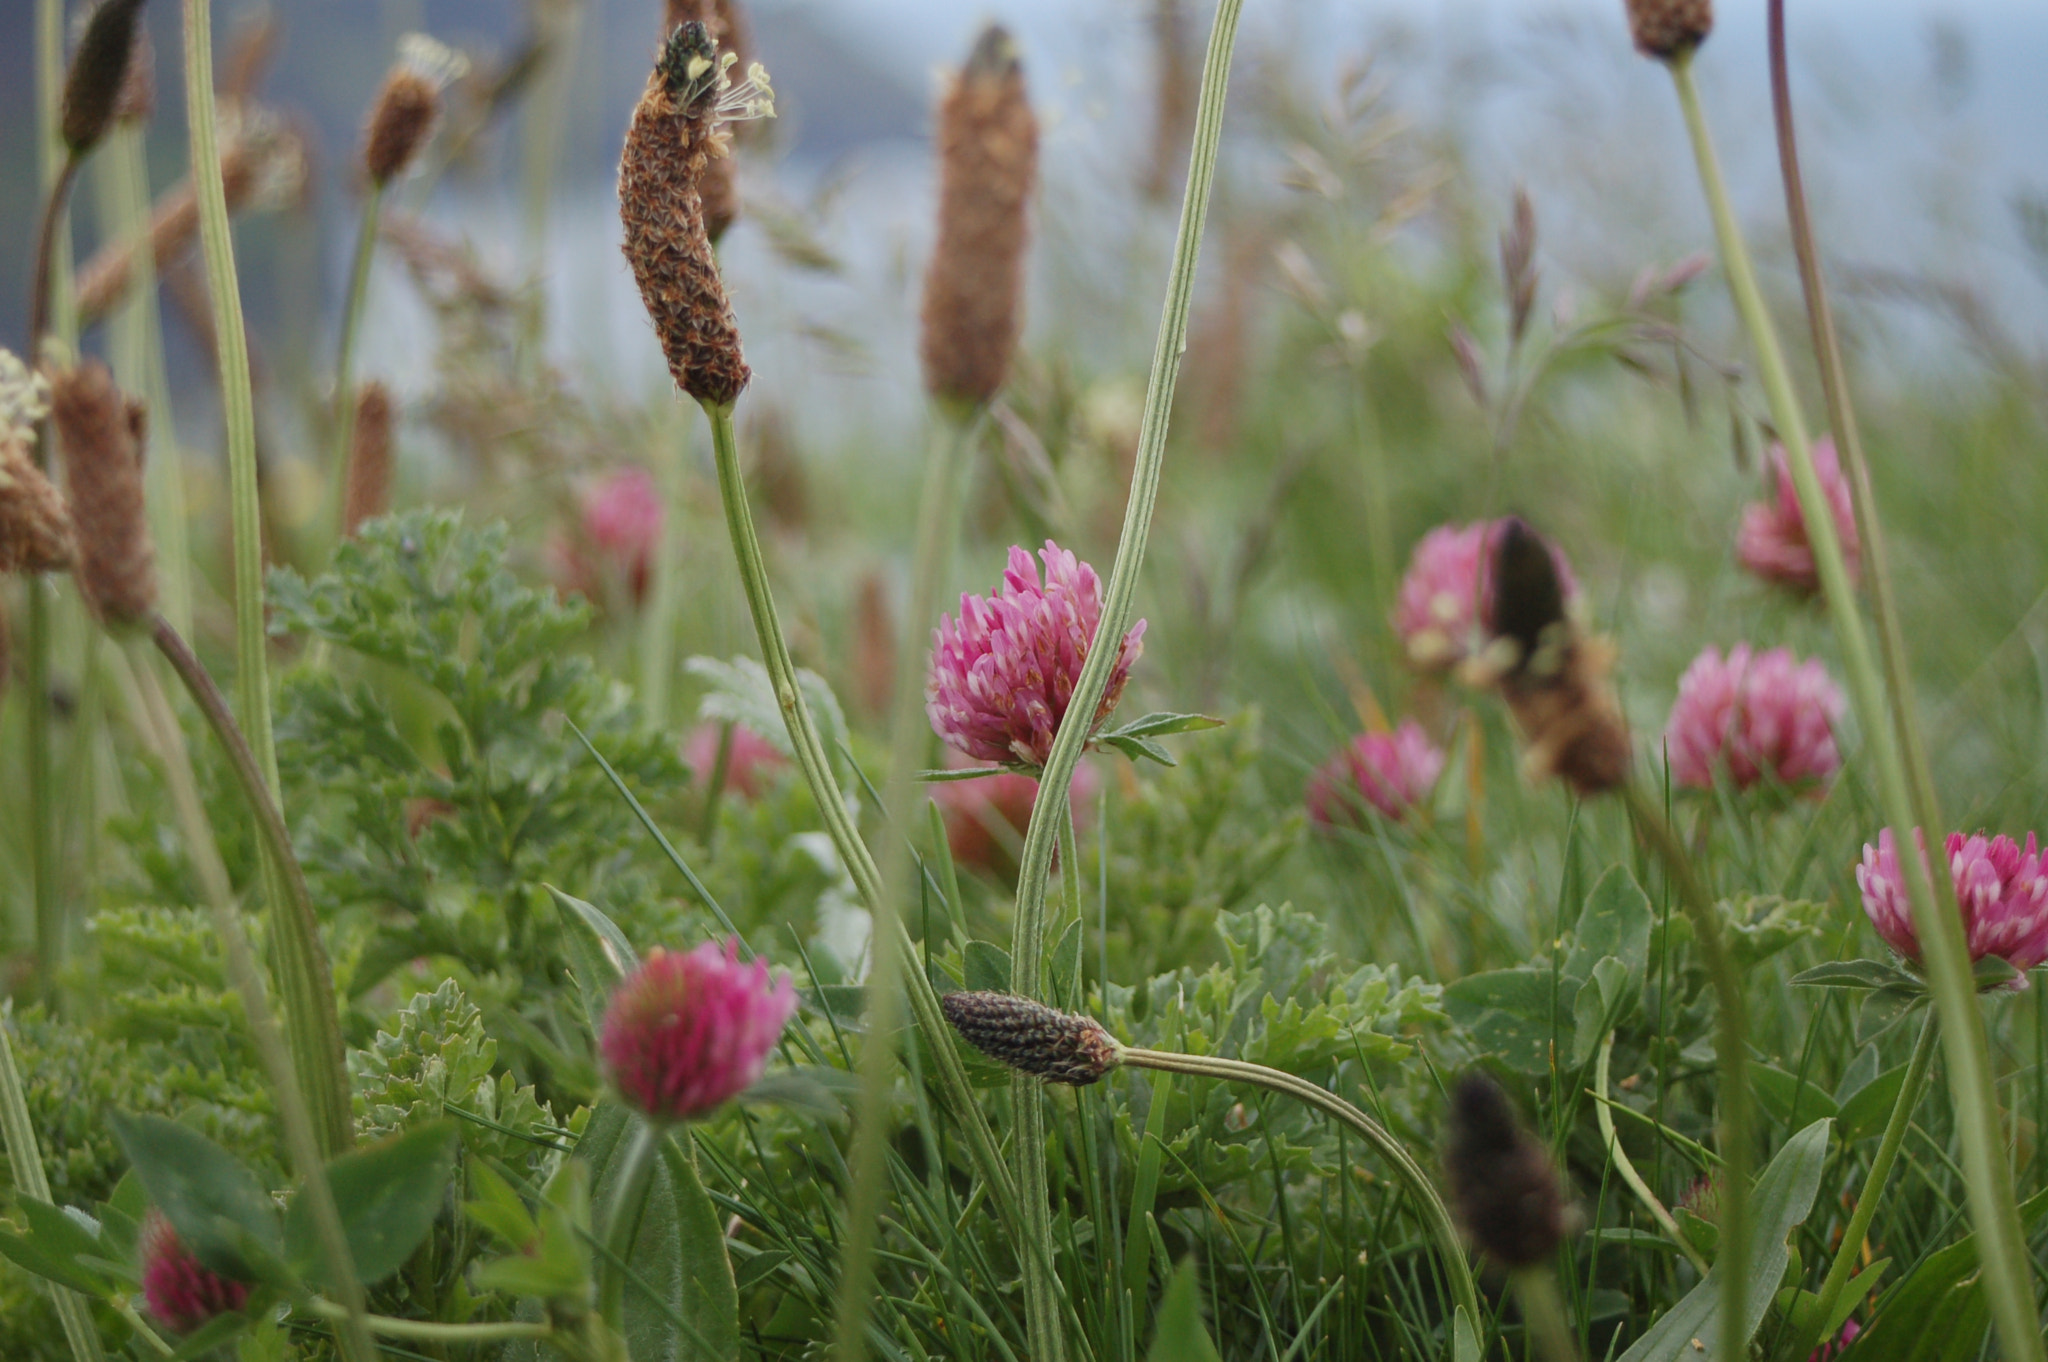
(98,70)
(1059,1047)
(1668,29)
(1553,677)
(35,527)
(678,127)
(1502,1182)
(406,107)
(988,163)
(136,102)
(367,491)
(102,435)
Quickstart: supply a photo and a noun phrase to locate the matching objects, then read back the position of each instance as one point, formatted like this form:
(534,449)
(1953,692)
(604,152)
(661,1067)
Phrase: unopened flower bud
(367,489)
(678,126)
(102,434)
(407,105)
(98,69)
(1060,1047)
(1502,1181)
(182,1292)
(1668,29)
(988,164)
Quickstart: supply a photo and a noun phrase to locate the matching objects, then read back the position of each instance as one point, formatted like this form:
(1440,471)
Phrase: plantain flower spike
(680,125)
(1669,29)
(407,105)
(719,185)
(102,434)
(366,490)
(988,164)
(92,87)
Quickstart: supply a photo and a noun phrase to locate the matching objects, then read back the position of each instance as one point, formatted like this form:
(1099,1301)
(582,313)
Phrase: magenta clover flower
(1771,541)
(1393,772)
(1445,602)
(1758,715)
(2001,890)
(1003,673)
(689,1031)
(180,1291)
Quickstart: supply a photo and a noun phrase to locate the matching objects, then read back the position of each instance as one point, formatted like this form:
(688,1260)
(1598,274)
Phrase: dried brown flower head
(1553,676)
(1668,29)
(406,106)
(1059,1047)
(988,163)
(35,527)
(1502,1182)
(719,185)
(366,492)
(102,434)
(98,69)
(678,127)
(136,101)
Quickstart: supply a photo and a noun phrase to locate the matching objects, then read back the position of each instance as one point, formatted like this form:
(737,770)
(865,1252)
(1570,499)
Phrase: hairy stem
(1731,1053)
(160,728)
(1910,1093)
(938,518)
(1907,801)
(1436,1217)
(817,771)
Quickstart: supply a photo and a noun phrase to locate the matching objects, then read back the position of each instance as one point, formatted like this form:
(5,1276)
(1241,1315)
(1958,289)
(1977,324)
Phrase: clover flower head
(1756,714)
(688,1031)
(2001,889)
(1003,673)
(180,1290)
(1772,542)
(1393,772)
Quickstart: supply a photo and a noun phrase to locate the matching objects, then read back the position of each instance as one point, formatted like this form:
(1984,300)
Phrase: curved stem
(293,1108)
(42,284)
(1880,1173)
(1731,1051)
(1619,1158)
(322,1081)
(817,770)
(622,1218)
(891,956)
(1435,1215)
(1907,800)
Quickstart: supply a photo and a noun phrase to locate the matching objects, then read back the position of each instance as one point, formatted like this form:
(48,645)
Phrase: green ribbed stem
(25,1161)
(1906,797)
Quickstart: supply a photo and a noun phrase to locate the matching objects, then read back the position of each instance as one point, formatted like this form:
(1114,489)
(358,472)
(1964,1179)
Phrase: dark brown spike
(367,487)
(98,70)
(99,430)
(1059,1047)
(1501,1181)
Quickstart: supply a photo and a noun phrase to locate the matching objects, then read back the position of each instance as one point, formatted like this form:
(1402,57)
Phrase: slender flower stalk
(1907,800)
(1850,1250)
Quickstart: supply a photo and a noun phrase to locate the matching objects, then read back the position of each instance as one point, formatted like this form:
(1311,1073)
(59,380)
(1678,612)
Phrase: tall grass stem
(1731,1054)
(938,518)
(1988,1179)
(817,771)
(303,979)
(25,1162)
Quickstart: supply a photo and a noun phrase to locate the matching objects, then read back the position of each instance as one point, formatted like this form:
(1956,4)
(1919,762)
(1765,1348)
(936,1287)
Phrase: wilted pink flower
(181,1292)
(749,766)
(1446,600)
(618,532)
(1834,1346)
(1772,540)
(1003,673)
(1390,771)
(2001,888)
(1767,714)
(689,1031)
(986,817)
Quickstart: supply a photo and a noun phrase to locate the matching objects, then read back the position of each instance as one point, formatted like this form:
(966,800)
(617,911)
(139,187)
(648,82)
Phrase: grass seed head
(1668,29)
(678,127)
(988,166)
(1502,1181)
(102,434)
(1060,1047)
